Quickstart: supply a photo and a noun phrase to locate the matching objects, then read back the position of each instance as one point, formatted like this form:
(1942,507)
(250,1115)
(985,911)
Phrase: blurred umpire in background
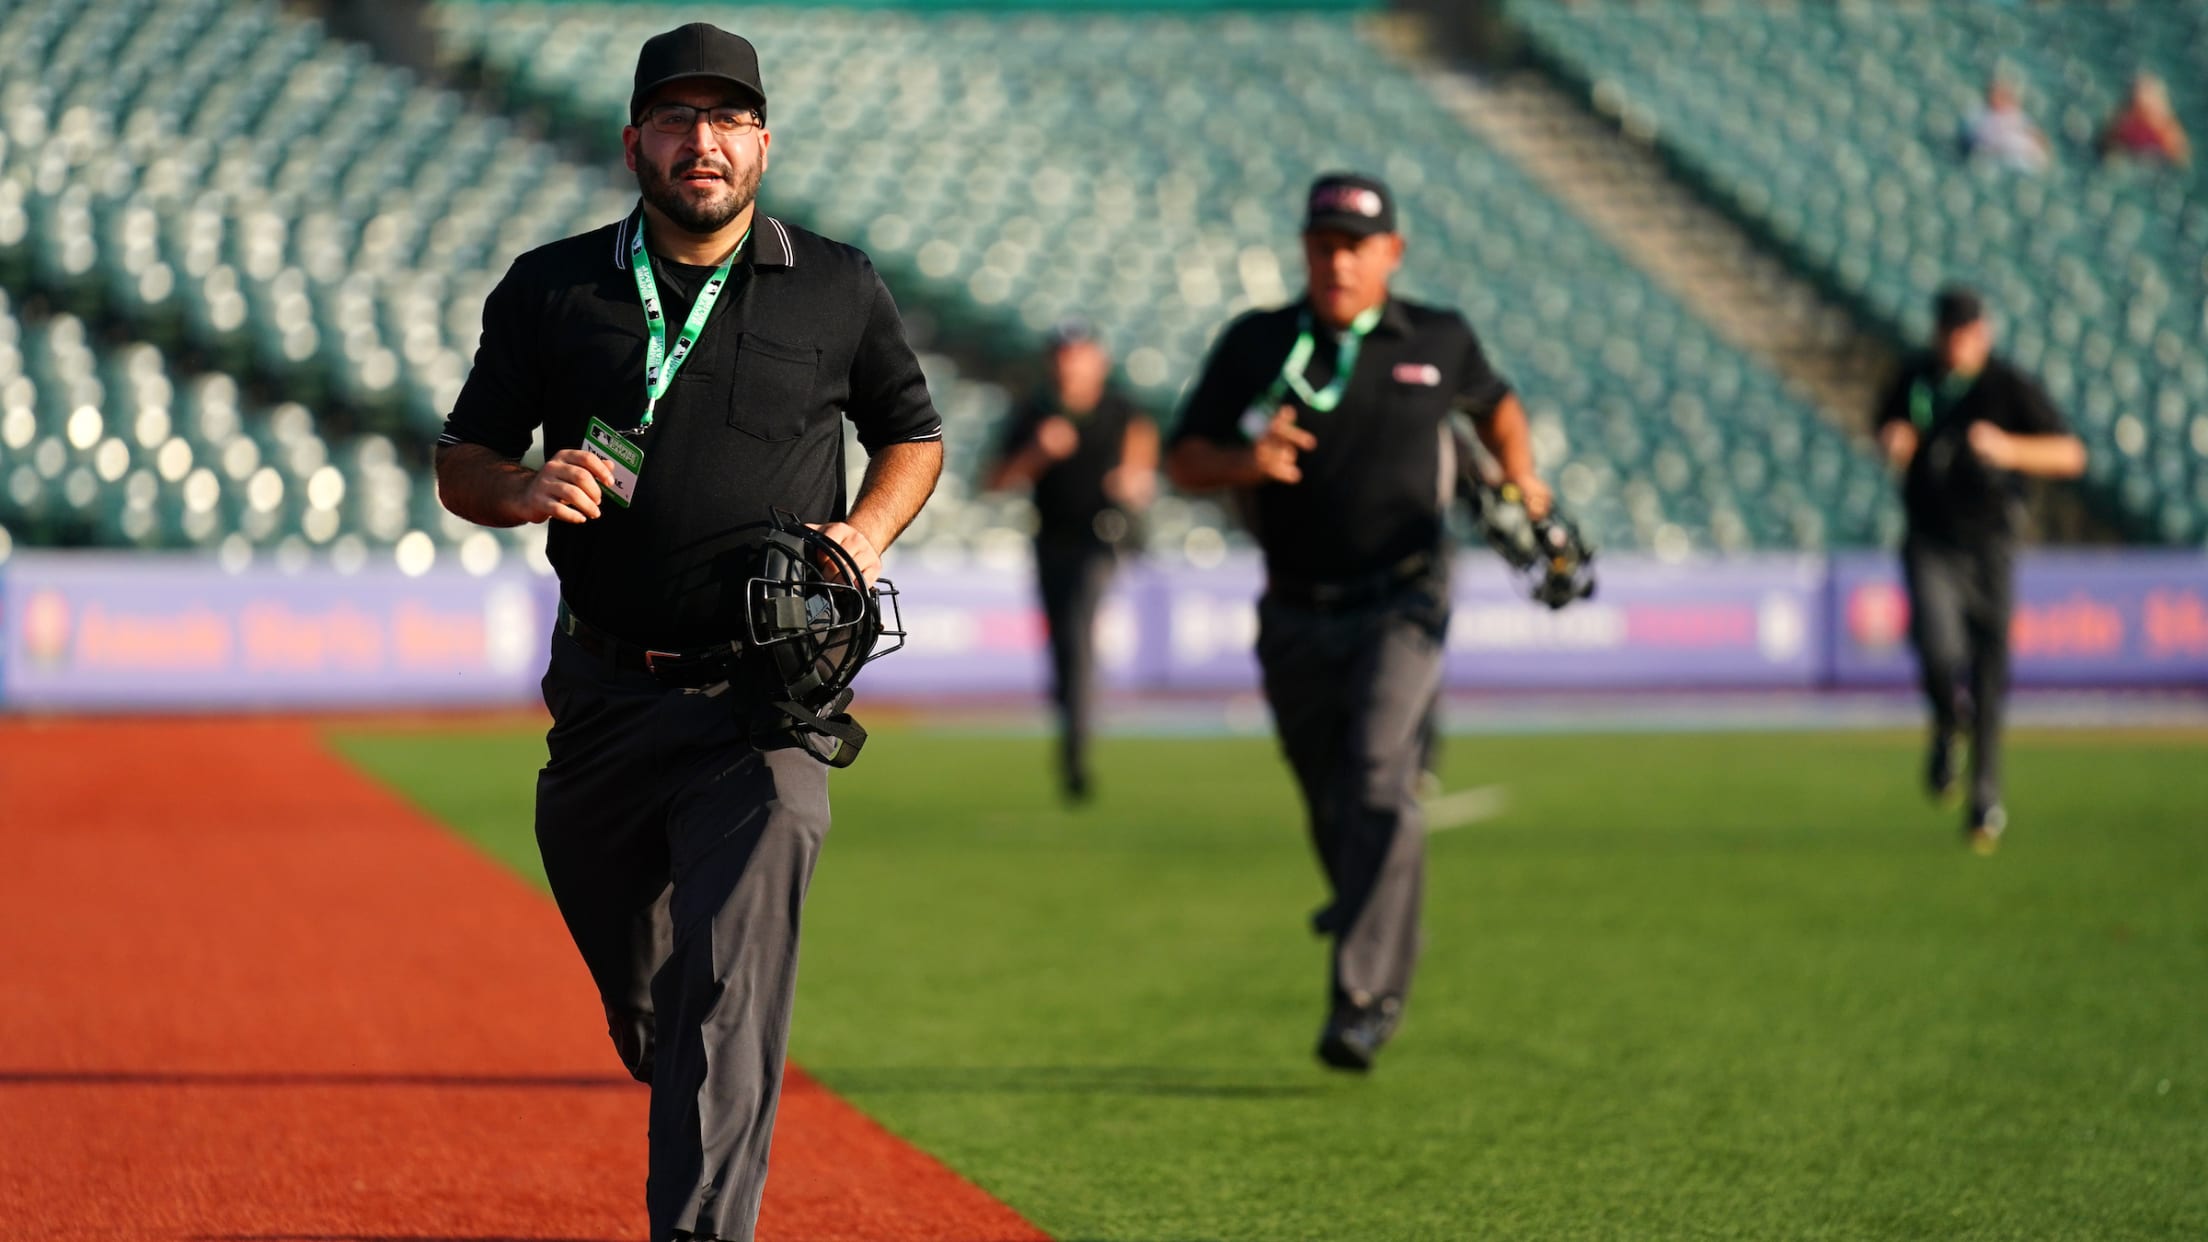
(1964,427)
(679,817)
(1092,459)
(1331,417)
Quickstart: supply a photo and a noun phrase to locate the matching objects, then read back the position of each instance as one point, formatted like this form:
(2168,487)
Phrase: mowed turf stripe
(245,993)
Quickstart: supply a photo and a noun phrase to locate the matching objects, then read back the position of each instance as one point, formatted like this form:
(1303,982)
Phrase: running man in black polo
(690,367)
(1331,417)
(1965,427)
(1092,458)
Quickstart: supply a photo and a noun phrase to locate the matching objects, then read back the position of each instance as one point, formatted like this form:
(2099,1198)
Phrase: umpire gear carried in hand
(814,620)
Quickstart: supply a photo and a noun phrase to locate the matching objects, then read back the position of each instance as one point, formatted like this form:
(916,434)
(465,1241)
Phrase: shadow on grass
(194,1078)
(1131,1080)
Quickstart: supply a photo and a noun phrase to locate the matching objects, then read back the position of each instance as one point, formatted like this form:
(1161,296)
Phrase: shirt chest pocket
(770,396)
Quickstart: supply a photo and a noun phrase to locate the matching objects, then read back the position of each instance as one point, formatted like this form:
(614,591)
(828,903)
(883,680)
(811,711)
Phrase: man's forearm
(1202,466)
(1508,436)
(899,479)
(1018,468)
(478,484)
(1899,440)
(2048,457)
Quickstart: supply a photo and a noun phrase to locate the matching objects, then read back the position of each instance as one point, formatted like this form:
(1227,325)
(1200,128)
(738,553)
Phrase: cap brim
(638,99)
(1355,226)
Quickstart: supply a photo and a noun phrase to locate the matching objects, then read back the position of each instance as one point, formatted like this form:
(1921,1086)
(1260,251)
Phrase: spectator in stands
(1964,426)
(2000,132)
(1091,457)
(2145,128)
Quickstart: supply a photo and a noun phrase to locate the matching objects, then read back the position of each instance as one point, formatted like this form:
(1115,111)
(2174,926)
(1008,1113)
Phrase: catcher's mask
(815,623)
(1548,555)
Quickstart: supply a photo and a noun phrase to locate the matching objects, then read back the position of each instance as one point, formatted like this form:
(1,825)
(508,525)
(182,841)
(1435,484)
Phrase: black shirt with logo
(803,336)
(1375,490)
(1951,496)
(1072,506)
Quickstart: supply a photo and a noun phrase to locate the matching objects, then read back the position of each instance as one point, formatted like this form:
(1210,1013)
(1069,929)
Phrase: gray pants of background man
(1960,598)
(1072,578)
(1349,686)
(679,853)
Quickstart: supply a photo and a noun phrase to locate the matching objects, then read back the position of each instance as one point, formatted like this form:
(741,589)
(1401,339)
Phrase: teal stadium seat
(2101,271)
(316,232)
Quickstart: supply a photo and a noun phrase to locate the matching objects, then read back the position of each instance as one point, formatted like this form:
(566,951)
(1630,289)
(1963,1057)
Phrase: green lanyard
(1323,400)
(1925,406)
(660,364)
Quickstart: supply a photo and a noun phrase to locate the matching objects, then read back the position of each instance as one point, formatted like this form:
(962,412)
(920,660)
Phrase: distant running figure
(1092,458)
(1964,426)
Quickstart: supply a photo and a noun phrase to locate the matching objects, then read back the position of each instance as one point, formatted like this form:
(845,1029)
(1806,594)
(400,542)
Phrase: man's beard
(688,214)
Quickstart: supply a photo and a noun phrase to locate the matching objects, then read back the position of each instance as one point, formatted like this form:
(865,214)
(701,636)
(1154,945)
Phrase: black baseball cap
(698,50)
(1349,203)
(1074,330)
(1956,306)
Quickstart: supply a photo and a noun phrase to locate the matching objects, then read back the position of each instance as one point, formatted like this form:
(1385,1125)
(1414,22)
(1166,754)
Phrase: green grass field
(1683,987)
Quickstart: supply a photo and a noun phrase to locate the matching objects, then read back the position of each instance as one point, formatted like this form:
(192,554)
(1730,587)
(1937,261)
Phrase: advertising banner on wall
(1749,622)
(125,631)
(977,631)
(116,631)
(2138,618)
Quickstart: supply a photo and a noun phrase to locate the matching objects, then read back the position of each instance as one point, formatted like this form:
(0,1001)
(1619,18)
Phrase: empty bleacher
(1834,129)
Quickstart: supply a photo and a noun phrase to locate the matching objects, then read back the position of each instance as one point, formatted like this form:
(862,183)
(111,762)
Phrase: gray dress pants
(1072,579)
(1960,600)
(1350,688)
(679,846)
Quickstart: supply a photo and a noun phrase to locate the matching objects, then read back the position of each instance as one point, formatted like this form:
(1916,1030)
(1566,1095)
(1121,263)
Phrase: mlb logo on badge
(1423,374)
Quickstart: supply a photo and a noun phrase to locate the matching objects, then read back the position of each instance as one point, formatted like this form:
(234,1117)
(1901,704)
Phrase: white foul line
(1466,806)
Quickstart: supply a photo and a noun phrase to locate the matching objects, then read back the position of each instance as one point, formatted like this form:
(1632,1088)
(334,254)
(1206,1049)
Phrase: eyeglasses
(727,122)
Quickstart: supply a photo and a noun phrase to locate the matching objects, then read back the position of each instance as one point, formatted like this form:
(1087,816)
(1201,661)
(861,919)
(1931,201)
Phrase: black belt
(693,669)
(1355,592)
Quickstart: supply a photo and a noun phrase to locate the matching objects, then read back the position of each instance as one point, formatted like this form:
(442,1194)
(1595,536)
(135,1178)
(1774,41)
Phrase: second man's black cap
(1349,203)
(698,50)
(1957,306)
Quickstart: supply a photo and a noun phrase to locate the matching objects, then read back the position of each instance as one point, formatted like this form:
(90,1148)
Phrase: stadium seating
(1146,172)
(1834,129)
(105,445)
(227,183)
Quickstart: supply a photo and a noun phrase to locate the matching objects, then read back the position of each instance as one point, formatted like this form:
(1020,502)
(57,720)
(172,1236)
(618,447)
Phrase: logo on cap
(1354,200)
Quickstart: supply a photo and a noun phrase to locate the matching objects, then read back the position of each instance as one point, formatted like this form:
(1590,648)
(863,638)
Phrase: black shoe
(1352,1038)
(1076,789)
(1984,833)
(1939,767)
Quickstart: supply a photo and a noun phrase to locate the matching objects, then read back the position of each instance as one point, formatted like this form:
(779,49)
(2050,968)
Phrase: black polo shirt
(1951,495)
(1375,490)
(804,334)
(1071,505)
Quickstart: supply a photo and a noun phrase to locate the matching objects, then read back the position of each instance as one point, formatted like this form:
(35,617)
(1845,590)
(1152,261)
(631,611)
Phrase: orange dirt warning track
(247,995)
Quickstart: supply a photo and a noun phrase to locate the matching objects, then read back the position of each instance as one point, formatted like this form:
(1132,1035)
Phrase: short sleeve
(889,395)
(499,406)
(1479,388)
(1232,378)
(1017,427)
(2032,412)
(1893,400)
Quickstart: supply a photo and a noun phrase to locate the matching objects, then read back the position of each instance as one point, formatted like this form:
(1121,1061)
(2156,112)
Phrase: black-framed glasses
(727,121)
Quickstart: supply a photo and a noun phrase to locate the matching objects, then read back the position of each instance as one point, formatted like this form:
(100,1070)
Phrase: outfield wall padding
(127,632)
